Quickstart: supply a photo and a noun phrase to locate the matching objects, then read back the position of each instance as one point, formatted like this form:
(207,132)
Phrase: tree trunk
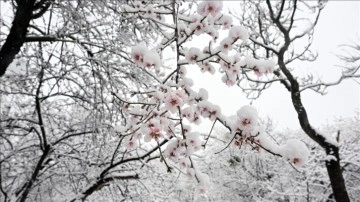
(16,37)
(332,166)
(335,174)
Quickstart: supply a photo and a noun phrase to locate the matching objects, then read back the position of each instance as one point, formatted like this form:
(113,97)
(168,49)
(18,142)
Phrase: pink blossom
(184,163)
(130,144)
(174,150)
(195,18)
(172,154)
(182,95)
(152,130)
(196,118)
(210,69)
(214,112)
(190,173)
(193,55)
(224,65)
(233,70)
(228,79)
(188,113)
(205,108)
(226,21)
(197,27)
(149,11)
(247,118)
(226,45)
(138,5)
(193,140)
(186,129)
(172,101)
(209,7)
(205,66)
(138,52)
(155,133)
(258,71)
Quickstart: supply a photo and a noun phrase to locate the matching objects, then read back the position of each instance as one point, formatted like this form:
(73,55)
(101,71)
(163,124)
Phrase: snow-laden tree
(242,175)
(284,31)
(99,89)
(58,97)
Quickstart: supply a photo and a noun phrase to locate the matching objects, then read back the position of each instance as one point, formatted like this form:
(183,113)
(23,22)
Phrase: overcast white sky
(339,24)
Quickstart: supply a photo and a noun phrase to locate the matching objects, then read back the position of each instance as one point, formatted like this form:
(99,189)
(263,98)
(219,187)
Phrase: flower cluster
(208,20)
(167,110)
(232,66)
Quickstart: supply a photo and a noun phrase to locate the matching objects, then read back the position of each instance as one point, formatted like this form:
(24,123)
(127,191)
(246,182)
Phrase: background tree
(25,12)
(240,175)
(280,30)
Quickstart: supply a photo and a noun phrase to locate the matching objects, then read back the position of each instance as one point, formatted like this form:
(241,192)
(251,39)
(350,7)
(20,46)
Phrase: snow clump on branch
(142,56)
(261,66)
(238,32)
(247,118)
(295,151)
(193,55)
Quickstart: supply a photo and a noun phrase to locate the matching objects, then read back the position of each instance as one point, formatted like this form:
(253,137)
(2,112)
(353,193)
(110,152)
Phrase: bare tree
(284,30)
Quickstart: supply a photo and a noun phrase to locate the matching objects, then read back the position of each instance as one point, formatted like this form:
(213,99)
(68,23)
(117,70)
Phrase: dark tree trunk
(335,174)
(332,166)
(17,34)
